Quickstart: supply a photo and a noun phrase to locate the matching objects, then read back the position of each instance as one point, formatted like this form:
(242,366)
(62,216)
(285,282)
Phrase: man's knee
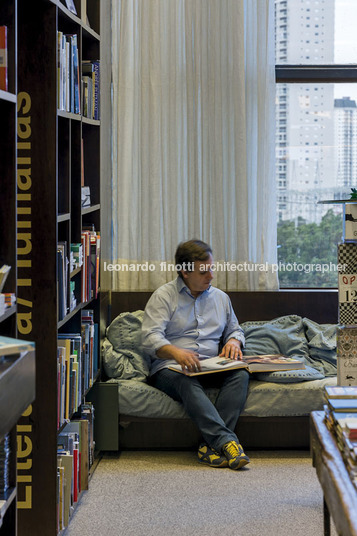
(241,376)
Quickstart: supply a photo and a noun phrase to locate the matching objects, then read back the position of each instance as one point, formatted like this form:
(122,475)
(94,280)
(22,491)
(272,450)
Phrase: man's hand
(186,358)
(232,350)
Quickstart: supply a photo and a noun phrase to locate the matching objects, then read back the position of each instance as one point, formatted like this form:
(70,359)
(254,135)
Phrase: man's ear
(184,274)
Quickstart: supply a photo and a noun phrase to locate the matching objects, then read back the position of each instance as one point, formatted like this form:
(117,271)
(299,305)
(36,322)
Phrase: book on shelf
(87,412)
(70,362)
(10,299)
(90,240)
(76,256)
(4,272)
(2,304)
(80,428)
(91,86)
(3,58)
(255,363)
(90,334)
(65,465)
(68,78)
(68,442)
(62,279)
(85,196)
(70,5)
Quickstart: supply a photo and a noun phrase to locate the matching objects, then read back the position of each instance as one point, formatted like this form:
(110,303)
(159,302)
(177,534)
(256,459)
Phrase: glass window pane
(316,159)
(316,31)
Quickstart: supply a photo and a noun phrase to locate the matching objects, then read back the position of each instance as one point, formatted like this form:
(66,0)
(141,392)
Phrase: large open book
(253,363)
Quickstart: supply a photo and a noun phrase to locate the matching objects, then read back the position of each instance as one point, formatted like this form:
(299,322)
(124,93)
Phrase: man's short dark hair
(191,251)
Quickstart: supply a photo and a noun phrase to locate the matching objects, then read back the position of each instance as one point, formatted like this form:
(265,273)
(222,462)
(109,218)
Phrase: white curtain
(193,140)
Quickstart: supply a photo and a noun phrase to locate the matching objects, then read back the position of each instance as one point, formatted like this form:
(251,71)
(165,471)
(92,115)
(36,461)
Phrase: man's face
(200,279)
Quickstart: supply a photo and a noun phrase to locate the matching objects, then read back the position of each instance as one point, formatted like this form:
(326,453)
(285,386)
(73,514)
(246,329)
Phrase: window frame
(303,73)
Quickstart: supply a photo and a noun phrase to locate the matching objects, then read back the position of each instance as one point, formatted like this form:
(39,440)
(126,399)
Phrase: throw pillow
(289,376)
(284,335)
(122,349)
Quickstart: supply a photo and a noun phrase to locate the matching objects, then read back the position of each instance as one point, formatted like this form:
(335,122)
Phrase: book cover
(4,272)
(347,284)
(66,461)
(345,405)
(70,5)
(346,355)
(10,346)
(350,231)
(338,391)
(3,58)
(255,363)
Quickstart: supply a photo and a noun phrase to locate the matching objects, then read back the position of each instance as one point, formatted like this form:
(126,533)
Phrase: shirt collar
(181,286)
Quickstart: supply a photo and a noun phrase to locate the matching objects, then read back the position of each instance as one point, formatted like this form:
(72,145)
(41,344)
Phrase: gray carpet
(171,494)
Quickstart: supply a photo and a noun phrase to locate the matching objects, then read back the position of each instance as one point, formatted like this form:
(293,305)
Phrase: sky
(345,41)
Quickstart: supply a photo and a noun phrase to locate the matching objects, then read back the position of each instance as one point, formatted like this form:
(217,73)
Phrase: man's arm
(233,336)
(157,314)
(186,358)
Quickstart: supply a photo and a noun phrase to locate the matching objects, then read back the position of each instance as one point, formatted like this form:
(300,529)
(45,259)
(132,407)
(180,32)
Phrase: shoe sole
(241,464)
(222,466)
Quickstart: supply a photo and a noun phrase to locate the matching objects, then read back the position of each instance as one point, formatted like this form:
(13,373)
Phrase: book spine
(3,58)
(96,111)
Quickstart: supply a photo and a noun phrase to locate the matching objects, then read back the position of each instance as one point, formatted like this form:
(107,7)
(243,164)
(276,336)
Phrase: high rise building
(345,119)
(305,158)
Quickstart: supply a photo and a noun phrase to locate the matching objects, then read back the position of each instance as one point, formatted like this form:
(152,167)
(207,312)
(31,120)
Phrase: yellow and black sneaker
(211,457)
(235,455)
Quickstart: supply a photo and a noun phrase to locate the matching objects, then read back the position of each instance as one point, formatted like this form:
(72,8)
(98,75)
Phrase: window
(316,158)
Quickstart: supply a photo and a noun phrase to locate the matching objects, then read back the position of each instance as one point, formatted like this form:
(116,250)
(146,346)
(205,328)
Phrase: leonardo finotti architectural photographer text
(226,267)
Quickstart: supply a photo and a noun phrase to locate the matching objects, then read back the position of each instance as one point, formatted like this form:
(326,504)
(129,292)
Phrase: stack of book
(91,88)
(347,304)
(90,240)
(77,366)
(341,420)
(62,279)
(75,451)
(68,78)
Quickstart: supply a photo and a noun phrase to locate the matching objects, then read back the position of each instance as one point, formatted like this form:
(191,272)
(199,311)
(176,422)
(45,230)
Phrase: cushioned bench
(132,414)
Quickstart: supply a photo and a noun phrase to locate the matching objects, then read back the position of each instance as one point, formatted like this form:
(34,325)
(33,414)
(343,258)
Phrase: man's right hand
(186,358)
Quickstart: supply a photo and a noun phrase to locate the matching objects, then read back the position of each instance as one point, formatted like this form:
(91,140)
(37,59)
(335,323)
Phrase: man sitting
(185,321)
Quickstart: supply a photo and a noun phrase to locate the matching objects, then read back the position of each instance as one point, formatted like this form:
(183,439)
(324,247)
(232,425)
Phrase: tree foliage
(309,244)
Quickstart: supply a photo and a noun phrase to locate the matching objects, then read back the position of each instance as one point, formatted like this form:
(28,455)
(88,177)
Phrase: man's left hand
(232,350)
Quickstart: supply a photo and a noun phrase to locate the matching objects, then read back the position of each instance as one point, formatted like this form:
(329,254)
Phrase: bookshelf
(8,238)
(17,372)
(58,154)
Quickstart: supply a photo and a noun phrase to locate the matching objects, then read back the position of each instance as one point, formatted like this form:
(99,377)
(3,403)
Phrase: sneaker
(211,457)
(235,455)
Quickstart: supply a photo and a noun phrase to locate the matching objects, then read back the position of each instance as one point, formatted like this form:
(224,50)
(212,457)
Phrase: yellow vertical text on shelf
(24,463)
(24,198)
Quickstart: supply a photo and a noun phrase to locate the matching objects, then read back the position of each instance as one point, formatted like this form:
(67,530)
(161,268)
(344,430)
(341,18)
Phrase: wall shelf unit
(62,152)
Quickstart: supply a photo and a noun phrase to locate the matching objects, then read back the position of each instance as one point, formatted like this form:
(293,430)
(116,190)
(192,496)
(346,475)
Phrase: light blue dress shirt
(174,316)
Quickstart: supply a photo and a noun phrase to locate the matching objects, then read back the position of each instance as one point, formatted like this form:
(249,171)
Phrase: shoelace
(232,449)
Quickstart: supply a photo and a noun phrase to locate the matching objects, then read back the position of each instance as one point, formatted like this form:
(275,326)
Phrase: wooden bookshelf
(54,212)
(8,18)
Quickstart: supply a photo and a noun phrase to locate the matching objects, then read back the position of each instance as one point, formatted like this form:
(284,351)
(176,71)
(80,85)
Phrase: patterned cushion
(290,376)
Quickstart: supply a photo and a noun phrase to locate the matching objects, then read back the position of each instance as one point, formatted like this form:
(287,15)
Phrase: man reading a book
(185,321)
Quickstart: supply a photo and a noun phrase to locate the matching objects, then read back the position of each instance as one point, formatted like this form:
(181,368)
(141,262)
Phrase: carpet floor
(170,494)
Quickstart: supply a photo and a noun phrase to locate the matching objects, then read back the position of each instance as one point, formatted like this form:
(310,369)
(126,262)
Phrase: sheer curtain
(193,139)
